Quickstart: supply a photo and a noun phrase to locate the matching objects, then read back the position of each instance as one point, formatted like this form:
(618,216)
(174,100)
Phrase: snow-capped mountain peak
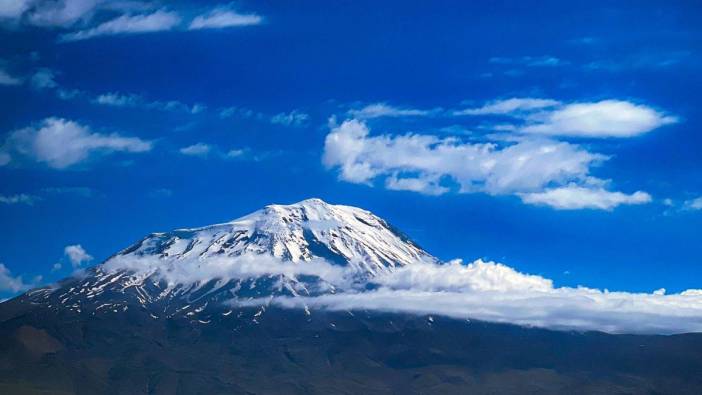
(297,232)
(306,248)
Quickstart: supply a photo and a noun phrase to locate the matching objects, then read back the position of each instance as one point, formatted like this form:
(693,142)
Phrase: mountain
(169,314)
(278,250)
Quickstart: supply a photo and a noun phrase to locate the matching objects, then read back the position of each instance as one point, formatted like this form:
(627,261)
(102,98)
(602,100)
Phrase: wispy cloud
(203,150)
(529,61)
(510,106)
(157,21)
(56,13)
(224,17)
(198,149)
(85,192)
(292,118)
(693,204)
(21,198)
(62,143)
(43,79)
(247,154)
(648,60)
(97,18)
(7,79)
(241,112)
(136,101)
(378,110)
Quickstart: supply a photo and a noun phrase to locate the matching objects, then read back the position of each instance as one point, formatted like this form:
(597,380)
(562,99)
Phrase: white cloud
(538,170)
(429,164)
(9,283)
(455,276)
(378,110)
(573,197)
(197,108)
(61,13)
(48,13)
(693,204)
(77,255)
(223,17)
(43,79)
(198,149)
(509,106)
(157,21)
(19,199)
(236,153)
(480,290)
(607,118)
(118,100)
(61,143)
(7,79)
(293,118)
(497,293)
(194,271)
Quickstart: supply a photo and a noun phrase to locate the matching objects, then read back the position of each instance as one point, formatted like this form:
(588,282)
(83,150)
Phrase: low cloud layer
(497,293)
(62,143)
(537,169)
(194,271)
(479,290)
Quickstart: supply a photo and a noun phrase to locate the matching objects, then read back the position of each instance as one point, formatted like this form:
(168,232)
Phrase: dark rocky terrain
(288,352)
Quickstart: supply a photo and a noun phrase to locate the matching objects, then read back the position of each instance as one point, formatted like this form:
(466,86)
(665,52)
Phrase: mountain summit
(297,232)
(306,248)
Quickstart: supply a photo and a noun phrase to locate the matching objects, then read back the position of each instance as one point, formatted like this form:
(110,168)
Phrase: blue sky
(562,140)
